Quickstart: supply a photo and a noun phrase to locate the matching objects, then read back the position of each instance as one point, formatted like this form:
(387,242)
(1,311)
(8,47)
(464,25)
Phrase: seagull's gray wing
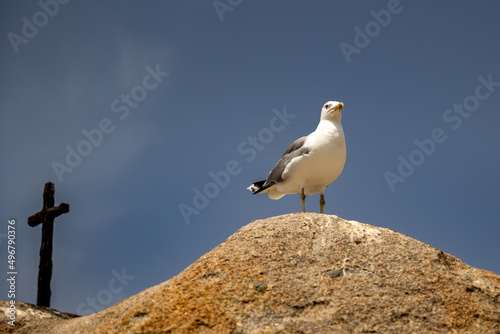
(296,149)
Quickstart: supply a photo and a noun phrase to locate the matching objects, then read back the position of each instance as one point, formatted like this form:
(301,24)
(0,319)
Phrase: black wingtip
(259,186)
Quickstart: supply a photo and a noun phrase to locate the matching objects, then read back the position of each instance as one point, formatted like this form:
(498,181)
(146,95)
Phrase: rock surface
(310,273)
(31,318)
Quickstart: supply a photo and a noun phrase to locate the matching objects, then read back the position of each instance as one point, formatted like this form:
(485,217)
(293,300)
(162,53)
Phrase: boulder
(311,273)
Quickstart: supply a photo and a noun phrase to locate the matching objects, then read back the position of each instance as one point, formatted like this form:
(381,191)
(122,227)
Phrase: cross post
(46,218)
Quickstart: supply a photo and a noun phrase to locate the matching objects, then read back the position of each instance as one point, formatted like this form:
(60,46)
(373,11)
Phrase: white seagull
(311,163)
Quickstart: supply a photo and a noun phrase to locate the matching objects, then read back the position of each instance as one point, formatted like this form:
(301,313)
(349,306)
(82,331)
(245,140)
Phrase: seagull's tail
(260,187)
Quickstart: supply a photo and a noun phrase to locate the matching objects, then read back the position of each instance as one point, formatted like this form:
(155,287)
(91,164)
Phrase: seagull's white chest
(321,166)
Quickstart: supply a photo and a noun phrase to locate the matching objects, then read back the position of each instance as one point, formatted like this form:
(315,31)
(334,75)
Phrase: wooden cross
(46,218)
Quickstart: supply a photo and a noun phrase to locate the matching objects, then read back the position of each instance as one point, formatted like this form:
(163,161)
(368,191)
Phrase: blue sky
(172,93)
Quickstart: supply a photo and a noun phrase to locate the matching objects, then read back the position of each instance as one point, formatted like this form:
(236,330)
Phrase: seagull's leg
(303,198)
(322,202)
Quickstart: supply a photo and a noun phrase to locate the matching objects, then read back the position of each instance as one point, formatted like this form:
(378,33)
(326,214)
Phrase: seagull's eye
(327,106)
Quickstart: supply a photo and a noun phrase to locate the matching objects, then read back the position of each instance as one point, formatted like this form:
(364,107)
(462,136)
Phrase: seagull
(311,163)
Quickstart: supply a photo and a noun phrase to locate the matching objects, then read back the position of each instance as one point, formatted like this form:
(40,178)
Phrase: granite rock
(310,273)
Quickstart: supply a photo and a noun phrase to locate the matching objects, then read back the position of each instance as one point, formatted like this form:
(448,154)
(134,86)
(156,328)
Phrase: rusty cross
(46,218)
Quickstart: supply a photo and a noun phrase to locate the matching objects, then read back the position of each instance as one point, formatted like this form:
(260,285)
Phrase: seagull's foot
(321,203)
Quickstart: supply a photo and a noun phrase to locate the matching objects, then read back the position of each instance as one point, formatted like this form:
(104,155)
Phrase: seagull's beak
(338,107)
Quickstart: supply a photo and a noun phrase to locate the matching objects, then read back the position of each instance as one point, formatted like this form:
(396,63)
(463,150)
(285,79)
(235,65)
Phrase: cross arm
(52,212)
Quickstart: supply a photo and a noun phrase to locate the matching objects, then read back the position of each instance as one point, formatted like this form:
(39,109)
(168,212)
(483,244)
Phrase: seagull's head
(332,111)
